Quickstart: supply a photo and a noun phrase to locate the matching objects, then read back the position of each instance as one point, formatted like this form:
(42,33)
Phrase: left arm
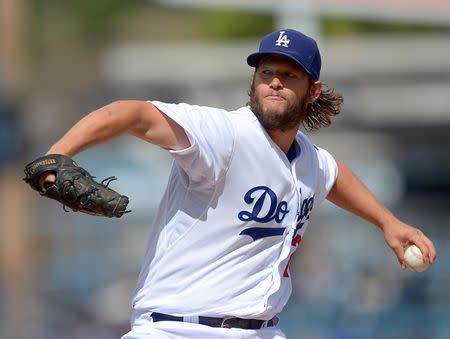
(352,195)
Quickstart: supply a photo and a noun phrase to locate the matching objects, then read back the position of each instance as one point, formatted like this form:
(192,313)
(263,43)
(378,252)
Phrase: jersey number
(305,210)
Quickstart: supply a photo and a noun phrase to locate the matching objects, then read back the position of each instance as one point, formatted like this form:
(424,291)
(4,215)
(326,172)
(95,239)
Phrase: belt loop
(275,320)
(193,319)
(224,322)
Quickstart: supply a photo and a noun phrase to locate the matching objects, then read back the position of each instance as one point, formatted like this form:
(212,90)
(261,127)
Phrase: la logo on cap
(293,45)
(282,40)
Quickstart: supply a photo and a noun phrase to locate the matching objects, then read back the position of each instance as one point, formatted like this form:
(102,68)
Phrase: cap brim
(254,59)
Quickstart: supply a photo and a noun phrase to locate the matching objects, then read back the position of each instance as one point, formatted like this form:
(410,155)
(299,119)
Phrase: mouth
(274,97)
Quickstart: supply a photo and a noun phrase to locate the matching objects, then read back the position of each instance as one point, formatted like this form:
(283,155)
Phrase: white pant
(145,328)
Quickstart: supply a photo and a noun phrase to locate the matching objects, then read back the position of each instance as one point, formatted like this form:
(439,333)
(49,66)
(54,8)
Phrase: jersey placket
(286,250)
(293,236)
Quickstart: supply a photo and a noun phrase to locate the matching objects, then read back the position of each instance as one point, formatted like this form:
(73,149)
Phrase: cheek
(299,94)
(292,96)
(260,89)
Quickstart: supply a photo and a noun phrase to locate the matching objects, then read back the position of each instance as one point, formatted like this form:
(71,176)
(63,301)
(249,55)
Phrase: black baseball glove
(75,187)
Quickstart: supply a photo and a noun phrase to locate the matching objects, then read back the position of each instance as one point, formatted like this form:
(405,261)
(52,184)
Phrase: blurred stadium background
(71,276)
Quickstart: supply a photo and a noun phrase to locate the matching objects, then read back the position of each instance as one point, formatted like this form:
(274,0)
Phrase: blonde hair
(319,113)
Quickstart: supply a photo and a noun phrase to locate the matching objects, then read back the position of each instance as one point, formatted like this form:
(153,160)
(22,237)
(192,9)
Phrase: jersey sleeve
(328,172)
(211,137)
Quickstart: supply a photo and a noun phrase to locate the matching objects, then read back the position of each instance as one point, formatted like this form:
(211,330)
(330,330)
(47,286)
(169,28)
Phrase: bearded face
(279,94)
(283,117)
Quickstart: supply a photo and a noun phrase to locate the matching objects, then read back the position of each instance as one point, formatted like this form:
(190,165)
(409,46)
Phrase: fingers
(433,253)
(45,179)
(399,235)
(425,245)
(400,253)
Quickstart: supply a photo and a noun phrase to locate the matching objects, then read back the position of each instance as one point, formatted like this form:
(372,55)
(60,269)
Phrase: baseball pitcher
(239,197)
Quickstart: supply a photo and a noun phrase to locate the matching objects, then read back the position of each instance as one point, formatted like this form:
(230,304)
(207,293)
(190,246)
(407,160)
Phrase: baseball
(414,259)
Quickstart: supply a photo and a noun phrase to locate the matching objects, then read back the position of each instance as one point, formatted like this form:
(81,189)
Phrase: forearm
(352,195)
(97,127)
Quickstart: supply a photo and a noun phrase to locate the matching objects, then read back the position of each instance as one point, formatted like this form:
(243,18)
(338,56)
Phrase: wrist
(387,220)
(59,149)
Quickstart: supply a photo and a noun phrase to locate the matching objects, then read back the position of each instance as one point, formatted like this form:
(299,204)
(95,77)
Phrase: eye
(290,75)
(266,72)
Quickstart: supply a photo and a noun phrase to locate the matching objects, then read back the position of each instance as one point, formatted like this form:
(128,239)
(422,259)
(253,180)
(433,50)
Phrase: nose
(276,83)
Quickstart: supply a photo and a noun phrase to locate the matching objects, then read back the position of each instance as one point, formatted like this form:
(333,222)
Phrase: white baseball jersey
(233,213)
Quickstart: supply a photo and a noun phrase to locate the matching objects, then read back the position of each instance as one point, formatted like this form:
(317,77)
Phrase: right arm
(139,118)
(352,195)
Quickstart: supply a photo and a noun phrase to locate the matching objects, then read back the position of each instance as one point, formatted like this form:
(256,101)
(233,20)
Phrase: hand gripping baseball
(74,187)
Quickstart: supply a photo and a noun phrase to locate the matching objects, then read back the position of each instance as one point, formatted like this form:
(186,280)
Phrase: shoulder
(306,142)
(313,152)
(183,107)
(243,114)
(194,116)
(206,115)
(319,164)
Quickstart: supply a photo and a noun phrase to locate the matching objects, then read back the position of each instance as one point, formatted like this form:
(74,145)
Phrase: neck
(284,139)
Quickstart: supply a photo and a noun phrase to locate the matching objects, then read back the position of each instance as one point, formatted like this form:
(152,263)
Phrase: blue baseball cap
(292,44)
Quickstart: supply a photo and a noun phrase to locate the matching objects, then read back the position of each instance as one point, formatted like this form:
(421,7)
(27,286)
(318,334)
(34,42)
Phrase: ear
(314,91)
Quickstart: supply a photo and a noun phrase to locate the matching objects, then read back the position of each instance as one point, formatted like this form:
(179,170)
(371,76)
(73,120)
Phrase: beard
(291,117)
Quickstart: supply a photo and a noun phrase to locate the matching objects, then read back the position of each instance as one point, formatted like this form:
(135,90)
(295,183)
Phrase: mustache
(274,94)
(293,115)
